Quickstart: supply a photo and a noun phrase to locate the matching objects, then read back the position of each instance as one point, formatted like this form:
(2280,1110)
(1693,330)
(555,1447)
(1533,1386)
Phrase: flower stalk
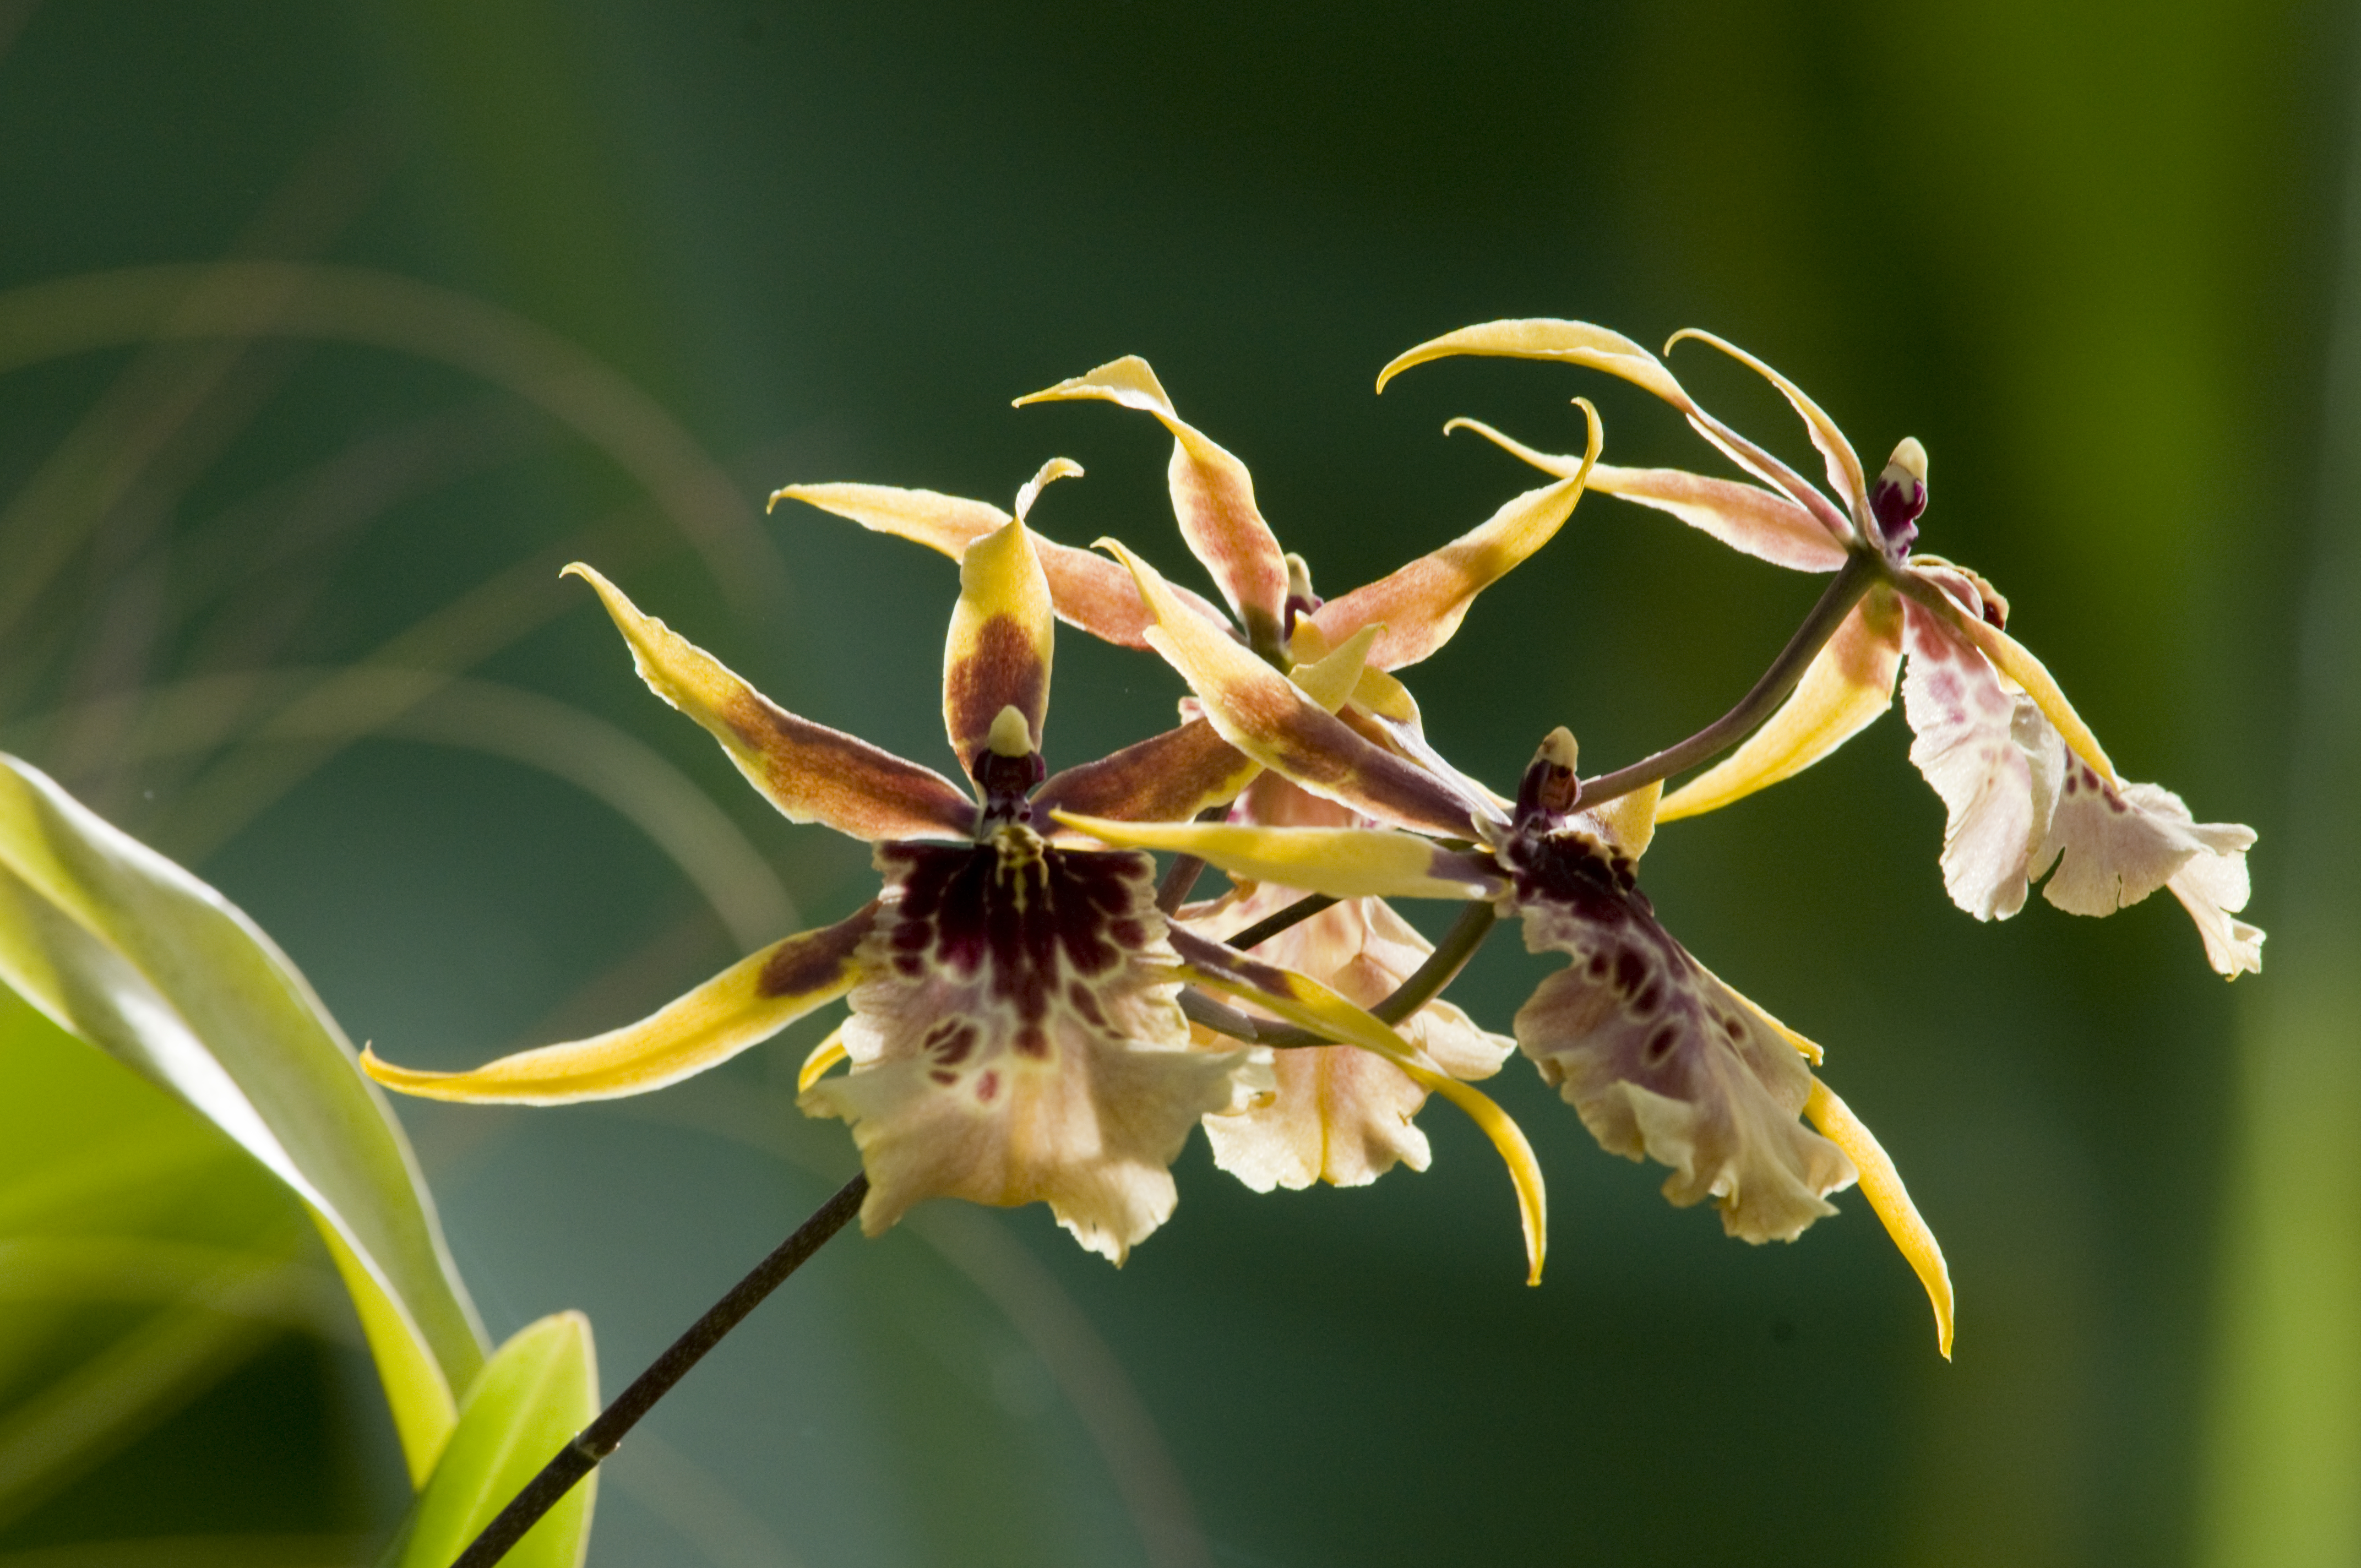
(601,1436)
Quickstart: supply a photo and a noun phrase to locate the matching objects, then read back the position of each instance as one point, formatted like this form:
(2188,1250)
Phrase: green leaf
(134,955)
(539,1390)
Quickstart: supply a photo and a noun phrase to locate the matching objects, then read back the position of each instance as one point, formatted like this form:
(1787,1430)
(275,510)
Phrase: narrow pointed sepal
(742,1006)
(1847,686)
(1421,604)
(1303,1000)
(809,771)
(1343,862)
(1748,518)
(1092,593)
(1272,720)
(1580,343)
(997,653)
(1843,462)
(1213,495)
(1881,1183)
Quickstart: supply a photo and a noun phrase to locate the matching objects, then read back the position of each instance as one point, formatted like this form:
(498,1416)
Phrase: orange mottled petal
(1421,604)
(1848,684)
(1165,778)
(809,771)
(743,1006)
(997,654)
(1213,495)
(1270,719)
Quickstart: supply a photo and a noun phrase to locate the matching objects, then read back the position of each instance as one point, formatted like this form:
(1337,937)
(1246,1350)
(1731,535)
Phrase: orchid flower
(2024,782)
(1659,1058)
(1013,1034)
(1339,1114)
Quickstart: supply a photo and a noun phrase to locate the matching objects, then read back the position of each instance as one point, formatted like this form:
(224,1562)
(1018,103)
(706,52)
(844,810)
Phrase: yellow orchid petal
(1343,862)
(824,1056)
(1050,473)
(1337,675)
(1166,778)
(743,1006)
(1748,518)
(997,654)
(1270,719)
(1092,593)
(1300,1000)
(1380,695)
(1882,1185)
(1629,821)
(809,771)
(1843,462)
(1213,495)
(1422,605)
(1848,684)
(1579,342)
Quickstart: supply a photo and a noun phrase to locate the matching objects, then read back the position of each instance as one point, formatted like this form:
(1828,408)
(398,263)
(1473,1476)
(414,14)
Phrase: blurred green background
(277,593)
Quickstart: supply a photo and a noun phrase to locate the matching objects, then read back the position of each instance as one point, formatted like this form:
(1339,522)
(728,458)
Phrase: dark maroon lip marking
(1007,785)
(1897,504)
(1043,921)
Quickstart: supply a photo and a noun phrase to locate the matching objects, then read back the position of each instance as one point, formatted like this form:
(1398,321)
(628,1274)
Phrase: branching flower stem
(596,1441)
(1863,570)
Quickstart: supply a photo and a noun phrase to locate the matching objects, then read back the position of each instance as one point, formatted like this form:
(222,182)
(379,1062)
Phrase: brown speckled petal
(809,771)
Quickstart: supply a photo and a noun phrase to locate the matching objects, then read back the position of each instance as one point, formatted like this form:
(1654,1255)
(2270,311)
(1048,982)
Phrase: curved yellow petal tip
(825,1055)
(1055,470)
(1882,1185)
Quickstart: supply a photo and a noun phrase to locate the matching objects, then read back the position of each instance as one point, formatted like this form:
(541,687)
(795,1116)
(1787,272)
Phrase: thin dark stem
(1854,579)
(1271,926)
(596,1441)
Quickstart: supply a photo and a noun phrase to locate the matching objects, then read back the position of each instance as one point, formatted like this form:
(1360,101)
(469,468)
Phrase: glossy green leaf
(144,1259)
(134,955)
(538,1390)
